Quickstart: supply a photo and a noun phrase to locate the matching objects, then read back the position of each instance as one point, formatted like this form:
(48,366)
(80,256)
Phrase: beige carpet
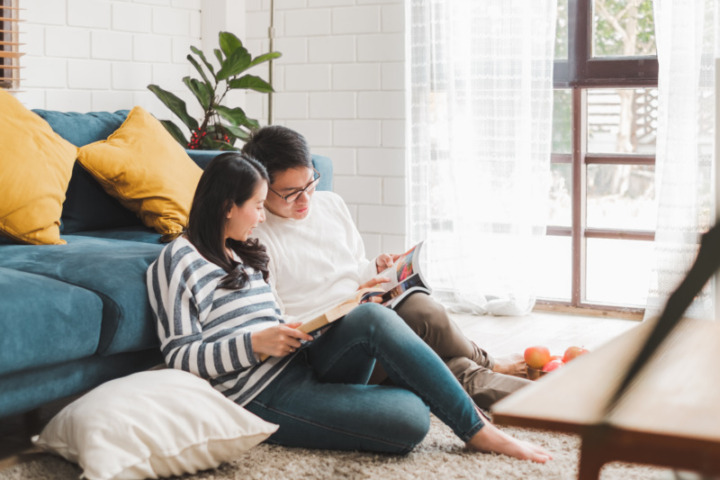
(440,456)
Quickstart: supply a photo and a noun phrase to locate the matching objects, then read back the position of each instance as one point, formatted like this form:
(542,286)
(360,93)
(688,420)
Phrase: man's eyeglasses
(294,195)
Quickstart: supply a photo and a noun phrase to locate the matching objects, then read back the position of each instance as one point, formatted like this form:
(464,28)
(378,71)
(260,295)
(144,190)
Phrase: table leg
(591,460)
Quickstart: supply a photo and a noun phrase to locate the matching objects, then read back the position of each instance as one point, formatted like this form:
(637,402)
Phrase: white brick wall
(340,82)
(85,55)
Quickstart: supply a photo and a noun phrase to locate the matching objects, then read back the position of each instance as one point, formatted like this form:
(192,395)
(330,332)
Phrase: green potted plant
(220,125)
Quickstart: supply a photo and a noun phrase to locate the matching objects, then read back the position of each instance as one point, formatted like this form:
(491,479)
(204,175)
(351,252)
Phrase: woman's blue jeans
(322,400)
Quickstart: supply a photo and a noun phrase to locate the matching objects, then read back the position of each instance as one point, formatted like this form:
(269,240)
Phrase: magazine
(405,278)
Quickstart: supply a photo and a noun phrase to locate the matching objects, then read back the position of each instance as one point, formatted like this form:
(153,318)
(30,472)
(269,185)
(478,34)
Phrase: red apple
(552,365)
(573,352)
(537,356)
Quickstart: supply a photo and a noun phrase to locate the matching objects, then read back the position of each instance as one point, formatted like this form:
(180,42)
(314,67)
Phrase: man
(317,258)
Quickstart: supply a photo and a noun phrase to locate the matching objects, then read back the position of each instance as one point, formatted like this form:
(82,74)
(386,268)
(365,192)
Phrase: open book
(315,322)
(405,277)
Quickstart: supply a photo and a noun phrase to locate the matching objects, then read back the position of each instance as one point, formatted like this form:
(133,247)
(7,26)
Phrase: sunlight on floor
(505,335)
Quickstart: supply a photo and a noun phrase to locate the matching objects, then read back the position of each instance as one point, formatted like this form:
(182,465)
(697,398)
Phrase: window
(602,215)
(9,45)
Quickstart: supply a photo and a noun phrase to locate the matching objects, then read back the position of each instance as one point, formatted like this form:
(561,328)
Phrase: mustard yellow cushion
(35,168)
(143,166)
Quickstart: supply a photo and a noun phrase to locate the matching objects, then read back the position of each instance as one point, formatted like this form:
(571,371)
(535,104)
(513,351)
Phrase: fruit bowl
(534,373)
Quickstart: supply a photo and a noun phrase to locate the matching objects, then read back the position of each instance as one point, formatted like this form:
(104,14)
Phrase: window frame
(579,73)
(9,45)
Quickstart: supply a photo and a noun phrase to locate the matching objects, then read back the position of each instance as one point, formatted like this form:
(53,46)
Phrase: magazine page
(405,277)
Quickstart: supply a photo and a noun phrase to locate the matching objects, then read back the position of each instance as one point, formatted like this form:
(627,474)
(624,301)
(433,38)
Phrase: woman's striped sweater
(204,329)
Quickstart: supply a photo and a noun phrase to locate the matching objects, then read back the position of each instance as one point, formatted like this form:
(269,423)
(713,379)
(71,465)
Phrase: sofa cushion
(113,269)
(29,389)
(83,128)
(36,164)
(135,234)
(87,206)
(143,166)
(45,321)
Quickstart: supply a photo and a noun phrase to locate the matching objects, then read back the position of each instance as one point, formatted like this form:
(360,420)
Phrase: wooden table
(670,415)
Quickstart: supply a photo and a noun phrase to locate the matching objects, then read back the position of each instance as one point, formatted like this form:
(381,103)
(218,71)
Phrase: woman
(216,316)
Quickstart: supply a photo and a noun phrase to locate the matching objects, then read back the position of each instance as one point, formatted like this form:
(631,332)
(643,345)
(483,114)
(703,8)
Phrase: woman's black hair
(229,179)
(278,148)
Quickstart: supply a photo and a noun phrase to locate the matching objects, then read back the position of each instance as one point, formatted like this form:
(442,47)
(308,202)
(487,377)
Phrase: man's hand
(279,340)
(371,283)
(385,260)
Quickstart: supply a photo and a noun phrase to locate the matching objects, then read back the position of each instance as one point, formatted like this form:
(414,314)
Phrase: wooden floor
(500,336)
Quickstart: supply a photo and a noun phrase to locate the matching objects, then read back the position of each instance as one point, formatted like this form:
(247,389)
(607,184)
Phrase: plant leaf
(236,116)
(175,131)
(219,55)
(213,144)
(199,69)
(264,58)
(202,91)
(200,54)
(175,104)
(229,43)
(251,82)
(237,62)
(238,132)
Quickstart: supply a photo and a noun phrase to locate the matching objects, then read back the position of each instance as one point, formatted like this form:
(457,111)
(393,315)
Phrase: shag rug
(440,456)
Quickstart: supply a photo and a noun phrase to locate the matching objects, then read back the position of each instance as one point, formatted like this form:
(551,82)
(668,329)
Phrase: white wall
(88,55)
(340,81)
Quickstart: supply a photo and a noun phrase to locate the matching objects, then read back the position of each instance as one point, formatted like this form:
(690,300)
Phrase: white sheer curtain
(686,37)
(479,138)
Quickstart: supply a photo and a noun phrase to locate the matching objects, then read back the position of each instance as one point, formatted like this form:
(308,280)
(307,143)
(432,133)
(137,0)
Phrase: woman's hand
(385,260)
(279,340)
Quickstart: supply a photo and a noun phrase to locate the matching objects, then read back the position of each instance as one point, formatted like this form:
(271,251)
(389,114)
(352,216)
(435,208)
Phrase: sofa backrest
(87,206)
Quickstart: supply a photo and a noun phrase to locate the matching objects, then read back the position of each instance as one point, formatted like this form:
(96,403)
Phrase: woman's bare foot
(492,439)
(513,364)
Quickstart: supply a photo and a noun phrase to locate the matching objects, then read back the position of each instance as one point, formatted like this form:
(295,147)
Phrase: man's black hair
(278,148)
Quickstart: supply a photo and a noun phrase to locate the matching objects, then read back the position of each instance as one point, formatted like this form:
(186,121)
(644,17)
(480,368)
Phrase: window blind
(10,52)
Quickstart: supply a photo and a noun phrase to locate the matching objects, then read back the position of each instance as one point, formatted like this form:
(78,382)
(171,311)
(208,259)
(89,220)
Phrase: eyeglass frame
(313,184)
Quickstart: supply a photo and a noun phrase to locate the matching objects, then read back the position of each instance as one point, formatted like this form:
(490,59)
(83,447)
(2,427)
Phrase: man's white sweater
(317,261)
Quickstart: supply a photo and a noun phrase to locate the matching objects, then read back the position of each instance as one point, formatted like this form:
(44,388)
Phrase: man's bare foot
(492,439)
(513,364)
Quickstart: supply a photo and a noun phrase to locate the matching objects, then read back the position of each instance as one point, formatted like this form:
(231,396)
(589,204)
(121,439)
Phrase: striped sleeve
(180,285)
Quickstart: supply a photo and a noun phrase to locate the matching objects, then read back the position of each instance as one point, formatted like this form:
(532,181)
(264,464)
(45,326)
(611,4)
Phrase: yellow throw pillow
(143,166)
(35,164)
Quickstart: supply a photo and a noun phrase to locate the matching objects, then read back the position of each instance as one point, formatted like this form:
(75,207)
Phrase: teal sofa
(74,316)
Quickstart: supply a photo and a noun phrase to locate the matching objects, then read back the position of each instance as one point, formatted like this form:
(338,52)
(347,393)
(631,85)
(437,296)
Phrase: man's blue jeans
(322,400)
